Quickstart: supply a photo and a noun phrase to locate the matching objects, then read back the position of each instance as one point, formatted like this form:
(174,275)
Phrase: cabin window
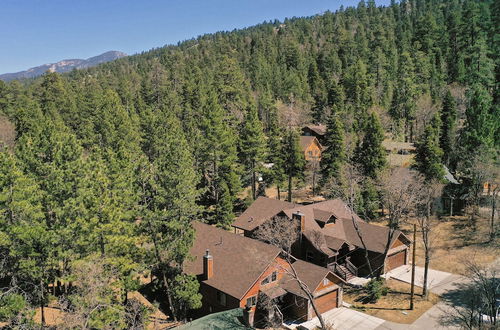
(274,275)
(326,281)
(265,281)
(310,153)
(221,298)
(251,301)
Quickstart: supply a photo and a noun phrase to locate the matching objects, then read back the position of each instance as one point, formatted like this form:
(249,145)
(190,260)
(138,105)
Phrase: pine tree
(169,196)
(220,154)
(370,153)
(252,145)
(480,123)
(276,174)
(293,159)
(448,127)
(333,156)
(25,238)
(404,100)
(428,157)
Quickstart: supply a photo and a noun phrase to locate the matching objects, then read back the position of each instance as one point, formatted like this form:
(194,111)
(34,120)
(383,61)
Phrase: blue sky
(35,32)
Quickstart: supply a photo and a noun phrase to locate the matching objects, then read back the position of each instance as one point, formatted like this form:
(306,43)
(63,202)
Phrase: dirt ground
(455,244)
(395,305)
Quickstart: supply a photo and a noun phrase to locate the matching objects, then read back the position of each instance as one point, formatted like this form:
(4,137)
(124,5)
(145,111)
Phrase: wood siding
(395,260)
(327,301)
(312,152)
(277,267)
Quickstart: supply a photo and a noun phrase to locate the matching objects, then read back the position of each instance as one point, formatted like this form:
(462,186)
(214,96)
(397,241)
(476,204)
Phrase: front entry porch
(344,269)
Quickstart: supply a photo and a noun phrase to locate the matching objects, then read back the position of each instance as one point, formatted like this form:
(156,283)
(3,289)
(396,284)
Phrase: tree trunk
(314,181)
(425,237)
(451,206)
(493,210)
(164,276)
(216,193)
(358,232)
(425,291)
(42,307)
(289,188)
(310,297)
(279,192)
(390,236)
(254,183)
(169,296)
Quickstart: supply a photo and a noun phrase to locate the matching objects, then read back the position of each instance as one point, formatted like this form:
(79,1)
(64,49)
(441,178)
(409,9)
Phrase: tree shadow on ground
(463,301)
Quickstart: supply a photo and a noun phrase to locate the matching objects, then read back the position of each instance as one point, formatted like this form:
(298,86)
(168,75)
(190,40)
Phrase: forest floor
(394,306)
(455,244)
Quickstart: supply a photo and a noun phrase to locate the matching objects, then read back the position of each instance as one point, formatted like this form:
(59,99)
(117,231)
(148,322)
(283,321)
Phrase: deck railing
(353,269)
(337,270)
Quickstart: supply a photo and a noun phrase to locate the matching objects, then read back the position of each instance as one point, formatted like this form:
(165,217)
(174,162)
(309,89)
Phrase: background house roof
(306,141)
(259,212)
(238,261)
(318,129)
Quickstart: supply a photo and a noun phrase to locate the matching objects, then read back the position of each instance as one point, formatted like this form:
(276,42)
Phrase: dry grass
(454,243)
(300,195)
(394,306)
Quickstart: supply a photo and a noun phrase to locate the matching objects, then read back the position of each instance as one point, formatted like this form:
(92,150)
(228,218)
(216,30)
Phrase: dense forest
(106,167)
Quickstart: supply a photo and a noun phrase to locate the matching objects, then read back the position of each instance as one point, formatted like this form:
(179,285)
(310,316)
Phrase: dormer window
(324,218)
(331,221)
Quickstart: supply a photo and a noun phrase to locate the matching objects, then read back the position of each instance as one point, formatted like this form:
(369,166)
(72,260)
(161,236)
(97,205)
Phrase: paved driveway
(441,283)
(438,282)
(345,319)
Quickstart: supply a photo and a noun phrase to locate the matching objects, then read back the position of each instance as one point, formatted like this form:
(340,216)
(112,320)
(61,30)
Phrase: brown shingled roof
(306,141)
(312,275)
(322,215)
(261,210)
(318,129)
(318,240)
(374,236)
(238,261)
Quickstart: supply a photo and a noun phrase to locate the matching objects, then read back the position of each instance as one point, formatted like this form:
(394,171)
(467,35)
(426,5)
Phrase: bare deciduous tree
(401,191)
(348,190)
(425,223)
(283,233)
(96,302)
(475,303)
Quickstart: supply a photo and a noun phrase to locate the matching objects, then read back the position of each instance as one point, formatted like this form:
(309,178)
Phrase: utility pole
(412,293)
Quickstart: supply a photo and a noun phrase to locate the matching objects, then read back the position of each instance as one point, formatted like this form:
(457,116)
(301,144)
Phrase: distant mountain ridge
(64,66)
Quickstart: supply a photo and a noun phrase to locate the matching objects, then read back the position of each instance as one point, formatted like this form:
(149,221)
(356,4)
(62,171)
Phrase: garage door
(396,260)
(327,301)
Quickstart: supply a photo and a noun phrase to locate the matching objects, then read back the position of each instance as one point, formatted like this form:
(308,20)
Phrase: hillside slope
(63,66)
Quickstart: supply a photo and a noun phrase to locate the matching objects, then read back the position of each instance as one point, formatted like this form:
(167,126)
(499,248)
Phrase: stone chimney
(301,218)
(208,265)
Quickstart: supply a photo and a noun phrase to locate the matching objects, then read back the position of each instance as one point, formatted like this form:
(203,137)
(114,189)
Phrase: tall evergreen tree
(252,145)
(448,127)
(480,123)
(169,196)
(428,157)
(293,159)
(370,153)
(333,156)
